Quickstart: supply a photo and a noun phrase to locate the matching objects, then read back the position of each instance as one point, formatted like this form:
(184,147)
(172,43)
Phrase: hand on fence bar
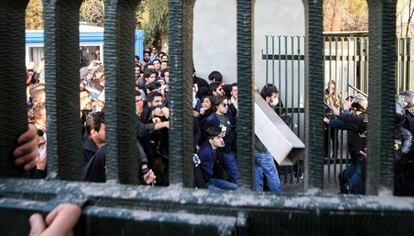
(60,221)
(26,151)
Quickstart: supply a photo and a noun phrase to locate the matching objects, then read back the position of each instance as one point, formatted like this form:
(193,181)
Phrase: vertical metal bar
(299,78)
(380,172)
(180,19)
(355,63)
(119,41)
(336,60)
(403,62)
(286,74)
(330,60)
(298,166)
(367,66)
(314,95)
(349,65)
(267,59)
(13,119)
(407,78)
(273,59)
(62,90)
(280,68)
(245,125)
(361,66)
(293,80)
(397,82)
(328,157)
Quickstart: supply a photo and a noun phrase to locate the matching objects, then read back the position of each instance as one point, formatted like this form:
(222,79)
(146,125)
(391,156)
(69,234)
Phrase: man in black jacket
(207,163)
(95,168)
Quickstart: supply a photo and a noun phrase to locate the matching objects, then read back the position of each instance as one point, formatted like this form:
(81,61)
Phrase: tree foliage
(154,15)
(34,15)
(345,15)
(92,12)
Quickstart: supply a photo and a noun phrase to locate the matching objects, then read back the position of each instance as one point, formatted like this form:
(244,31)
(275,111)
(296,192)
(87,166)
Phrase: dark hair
(268,90)
(213,86)
(216,76)
(209,98)
(153,85)
(219,99)
(137,93)
(152,95)
(156,59)
(202,92)
(233,84)
(163,72)
(149,72)
(94,121)
(212,132)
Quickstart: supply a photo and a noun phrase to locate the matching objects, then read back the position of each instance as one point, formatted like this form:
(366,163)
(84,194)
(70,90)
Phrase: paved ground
(292,184)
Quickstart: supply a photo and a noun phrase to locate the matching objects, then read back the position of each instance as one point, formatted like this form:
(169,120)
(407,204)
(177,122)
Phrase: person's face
(157,65)
(332,88)
(157,101)
(167,77)
(99,136)
(137,72)
(206,103)
(164,65)
(222,107)
(234,91)
(146,57)
(154,50)
(151,78)
(151,66)
(272,98)
(217,141)
(164,57)
(219,91)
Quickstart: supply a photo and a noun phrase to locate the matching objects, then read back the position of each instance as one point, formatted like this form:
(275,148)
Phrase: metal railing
(120,207)
(346,56)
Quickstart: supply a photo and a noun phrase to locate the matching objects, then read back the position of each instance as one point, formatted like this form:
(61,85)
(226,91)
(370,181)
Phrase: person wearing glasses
(224,120)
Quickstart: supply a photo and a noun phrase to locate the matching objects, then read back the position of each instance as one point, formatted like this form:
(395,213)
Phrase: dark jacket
(209,165)
(89,149)
(230,138)
(95,170)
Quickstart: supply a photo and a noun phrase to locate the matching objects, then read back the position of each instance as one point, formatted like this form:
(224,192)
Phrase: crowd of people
(215,108)
(214,113)
(351,115)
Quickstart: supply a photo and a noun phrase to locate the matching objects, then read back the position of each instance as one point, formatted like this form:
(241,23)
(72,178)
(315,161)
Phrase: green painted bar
(13,119)
(121,150)
(245,120)
(314,73)
(62,88)
(382,74)
(180,20)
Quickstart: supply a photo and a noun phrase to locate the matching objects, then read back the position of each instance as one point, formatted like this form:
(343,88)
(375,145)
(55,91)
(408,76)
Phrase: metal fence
(118,207)
(346,58)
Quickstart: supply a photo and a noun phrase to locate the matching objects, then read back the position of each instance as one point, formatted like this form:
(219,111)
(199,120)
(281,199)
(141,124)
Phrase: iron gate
(119,207)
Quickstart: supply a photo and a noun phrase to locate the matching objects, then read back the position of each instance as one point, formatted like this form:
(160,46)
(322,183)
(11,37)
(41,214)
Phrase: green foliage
(34,15)
(357,7)
(92,12)
(157,24)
